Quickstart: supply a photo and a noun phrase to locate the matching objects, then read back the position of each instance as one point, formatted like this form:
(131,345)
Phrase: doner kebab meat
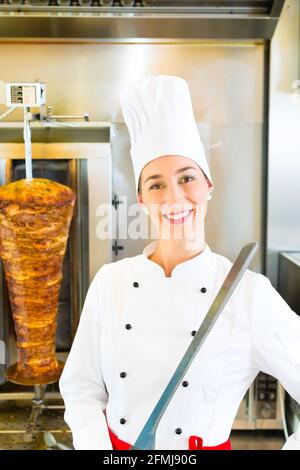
(35,216)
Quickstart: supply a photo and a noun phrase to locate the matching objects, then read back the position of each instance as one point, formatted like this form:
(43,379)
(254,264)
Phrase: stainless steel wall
(283,220)
(227,86)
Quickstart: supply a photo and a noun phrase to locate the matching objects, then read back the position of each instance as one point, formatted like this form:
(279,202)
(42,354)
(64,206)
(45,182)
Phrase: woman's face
(174,189)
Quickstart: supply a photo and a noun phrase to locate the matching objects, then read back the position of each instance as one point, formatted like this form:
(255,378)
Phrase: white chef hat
(159,115)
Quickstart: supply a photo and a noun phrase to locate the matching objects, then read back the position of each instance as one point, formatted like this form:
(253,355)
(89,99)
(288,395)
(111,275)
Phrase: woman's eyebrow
(178,171)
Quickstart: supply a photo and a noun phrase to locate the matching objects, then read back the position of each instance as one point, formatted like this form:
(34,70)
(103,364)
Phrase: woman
(141,313)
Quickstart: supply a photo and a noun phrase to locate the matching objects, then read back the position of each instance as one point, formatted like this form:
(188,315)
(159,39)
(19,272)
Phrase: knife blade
(146,438)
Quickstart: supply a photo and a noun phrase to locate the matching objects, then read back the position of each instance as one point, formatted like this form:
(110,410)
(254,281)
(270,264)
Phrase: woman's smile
(179,217)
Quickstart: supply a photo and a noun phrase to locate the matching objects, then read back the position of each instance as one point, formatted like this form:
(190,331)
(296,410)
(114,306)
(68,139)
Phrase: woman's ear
(140,202)
(210,185)
(210,189)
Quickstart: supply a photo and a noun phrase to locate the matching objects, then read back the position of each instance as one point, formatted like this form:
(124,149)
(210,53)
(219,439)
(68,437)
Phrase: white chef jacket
(138,321)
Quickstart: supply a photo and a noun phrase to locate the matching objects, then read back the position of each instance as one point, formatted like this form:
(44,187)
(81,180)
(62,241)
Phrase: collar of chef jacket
(194,270)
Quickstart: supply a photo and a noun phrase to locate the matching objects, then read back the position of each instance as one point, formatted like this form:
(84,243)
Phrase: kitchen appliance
(289,282)
(62,157)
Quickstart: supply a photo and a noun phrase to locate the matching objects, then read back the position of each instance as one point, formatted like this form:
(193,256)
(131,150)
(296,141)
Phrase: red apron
(195,443)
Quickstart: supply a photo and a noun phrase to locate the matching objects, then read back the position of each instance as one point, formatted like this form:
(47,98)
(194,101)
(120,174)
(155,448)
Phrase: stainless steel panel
(289,279)
(288,286)
(99,196)
(123,188)
(283,217)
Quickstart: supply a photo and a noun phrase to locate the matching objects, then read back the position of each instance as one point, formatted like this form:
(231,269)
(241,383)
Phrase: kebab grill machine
(35,216)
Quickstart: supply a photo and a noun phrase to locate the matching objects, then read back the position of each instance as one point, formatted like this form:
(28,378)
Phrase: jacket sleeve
(81,383)
(275,332)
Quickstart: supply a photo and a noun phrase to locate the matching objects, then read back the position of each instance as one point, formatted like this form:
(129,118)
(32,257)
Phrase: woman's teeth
(178,216)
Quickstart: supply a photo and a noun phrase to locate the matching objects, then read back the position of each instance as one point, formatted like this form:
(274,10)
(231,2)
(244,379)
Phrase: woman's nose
(174,194)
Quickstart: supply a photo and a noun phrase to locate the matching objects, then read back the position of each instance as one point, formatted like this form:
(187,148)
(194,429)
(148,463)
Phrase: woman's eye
(188,178)
(184,179)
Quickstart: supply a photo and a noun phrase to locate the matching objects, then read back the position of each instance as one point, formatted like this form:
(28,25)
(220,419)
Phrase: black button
(178,431)
(123,374)
(128,326)
(203,290)
(122,420)
(193,332)
(135,284)
(185,383)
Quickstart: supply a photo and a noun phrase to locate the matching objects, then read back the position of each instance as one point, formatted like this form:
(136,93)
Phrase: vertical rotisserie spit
(35,216)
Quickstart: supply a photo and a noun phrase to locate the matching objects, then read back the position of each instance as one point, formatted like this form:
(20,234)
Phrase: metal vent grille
(152,19)
(261,7)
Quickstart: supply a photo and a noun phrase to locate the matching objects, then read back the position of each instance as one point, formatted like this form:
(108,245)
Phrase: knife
(146,438)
